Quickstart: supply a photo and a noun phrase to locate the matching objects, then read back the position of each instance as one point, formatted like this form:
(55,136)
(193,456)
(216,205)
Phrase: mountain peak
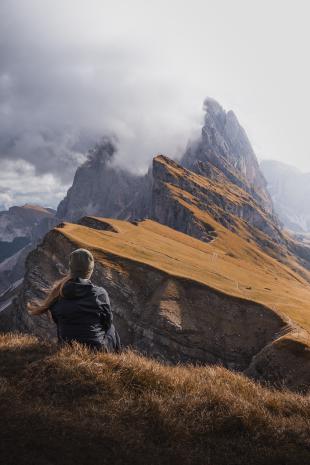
(211,105)
(224,144)
(101,153)
(99,188)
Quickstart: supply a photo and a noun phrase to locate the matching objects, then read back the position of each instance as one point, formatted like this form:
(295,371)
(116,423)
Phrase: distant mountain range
(290,192)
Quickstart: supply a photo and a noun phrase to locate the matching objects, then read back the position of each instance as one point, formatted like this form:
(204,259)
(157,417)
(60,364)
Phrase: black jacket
(83,314)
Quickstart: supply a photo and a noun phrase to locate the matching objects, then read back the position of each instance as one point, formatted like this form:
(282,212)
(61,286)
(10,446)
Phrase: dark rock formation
(101,189)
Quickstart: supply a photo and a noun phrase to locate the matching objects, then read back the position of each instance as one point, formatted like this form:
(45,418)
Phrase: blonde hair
(38,307)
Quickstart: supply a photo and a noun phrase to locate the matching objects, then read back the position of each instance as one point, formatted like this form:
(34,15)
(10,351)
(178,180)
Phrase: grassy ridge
(245,271)
(75,407)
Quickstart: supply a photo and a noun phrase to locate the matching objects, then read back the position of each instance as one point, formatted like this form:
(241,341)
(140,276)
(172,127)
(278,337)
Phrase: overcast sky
(74,70)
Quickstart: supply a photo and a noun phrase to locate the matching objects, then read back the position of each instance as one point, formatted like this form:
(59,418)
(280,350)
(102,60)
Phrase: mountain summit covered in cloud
(102,188)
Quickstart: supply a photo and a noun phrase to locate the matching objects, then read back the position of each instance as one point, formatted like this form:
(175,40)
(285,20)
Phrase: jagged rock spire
(225,144)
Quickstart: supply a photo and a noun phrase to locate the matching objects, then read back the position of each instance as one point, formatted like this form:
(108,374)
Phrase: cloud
(60,94)
(72,71)
(19,184)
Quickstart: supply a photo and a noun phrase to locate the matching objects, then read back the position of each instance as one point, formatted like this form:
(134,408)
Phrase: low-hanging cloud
(58,97)
(19,184)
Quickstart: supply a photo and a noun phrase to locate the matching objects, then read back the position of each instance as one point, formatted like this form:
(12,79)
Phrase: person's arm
(106,316)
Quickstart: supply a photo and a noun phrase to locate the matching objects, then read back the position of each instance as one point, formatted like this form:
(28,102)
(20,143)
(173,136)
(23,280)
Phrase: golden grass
(78,407)
(226,190)
(229,264)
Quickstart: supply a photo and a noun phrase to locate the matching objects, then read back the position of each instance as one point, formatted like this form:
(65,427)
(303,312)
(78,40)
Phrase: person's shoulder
(101,293)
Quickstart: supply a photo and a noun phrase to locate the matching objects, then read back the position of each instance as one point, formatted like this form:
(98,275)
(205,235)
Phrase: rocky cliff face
(179,195)
(19,222)
(224,145)
(99,188)
(290,191)
(20,230)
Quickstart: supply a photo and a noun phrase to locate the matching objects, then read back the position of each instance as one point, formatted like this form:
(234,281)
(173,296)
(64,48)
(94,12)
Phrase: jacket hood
(77,288)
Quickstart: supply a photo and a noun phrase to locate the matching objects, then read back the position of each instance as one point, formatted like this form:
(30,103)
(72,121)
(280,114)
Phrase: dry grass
(76,407)
(229,264)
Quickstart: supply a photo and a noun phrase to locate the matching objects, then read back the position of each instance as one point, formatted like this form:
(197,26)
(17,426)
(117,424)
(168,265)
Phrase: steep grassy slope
(73,407)
(238,228)
(186,200)
(229,263)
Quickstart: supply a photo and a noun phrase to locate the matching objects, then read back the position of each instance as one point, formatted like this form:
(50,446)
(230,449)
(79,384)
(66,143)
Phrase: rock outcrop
(99,188)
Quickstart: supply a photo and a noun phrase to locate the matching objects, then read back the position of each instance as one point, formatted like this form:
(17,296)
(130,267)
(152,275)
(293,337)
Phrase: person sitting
(81,310)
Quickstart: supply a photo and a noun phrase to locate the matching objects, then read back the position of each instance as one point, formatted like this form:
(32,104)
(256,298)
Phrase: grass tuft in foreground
(76,407)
